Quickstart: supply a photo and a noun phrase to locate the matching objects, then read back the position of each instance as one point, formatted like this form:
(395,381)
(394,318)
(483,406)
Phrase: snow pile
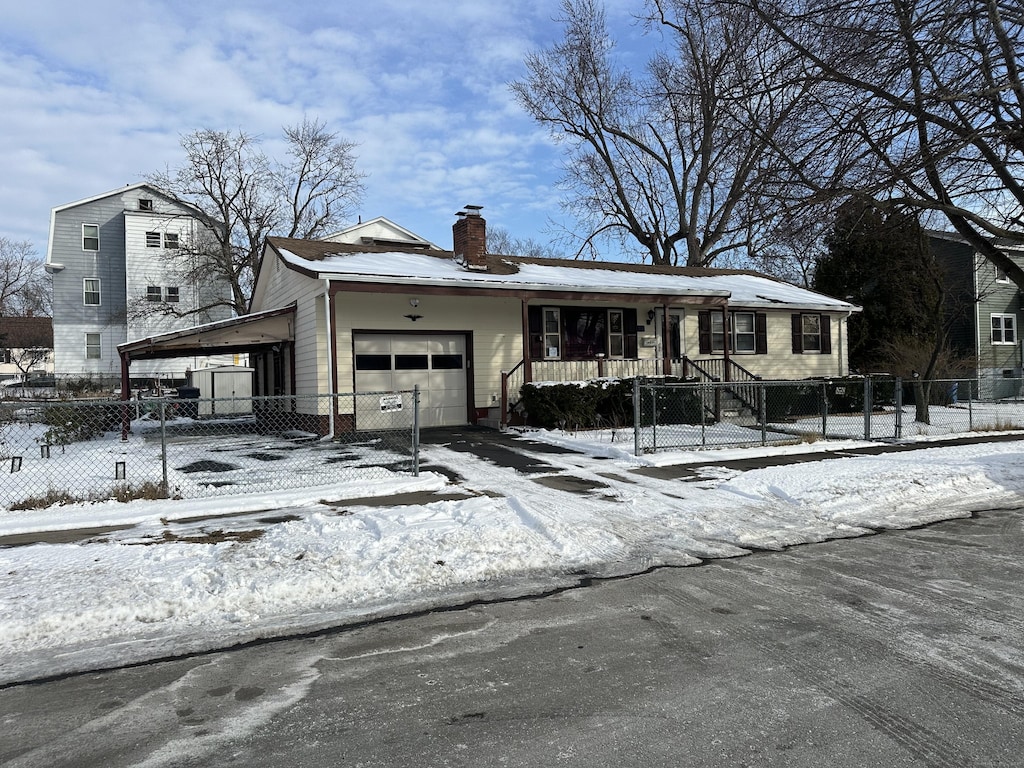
(194,575)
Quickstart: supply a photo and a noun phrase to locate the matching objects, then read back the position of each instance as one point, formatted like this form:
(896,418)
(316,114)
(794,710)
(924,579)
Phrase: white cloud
(97,96)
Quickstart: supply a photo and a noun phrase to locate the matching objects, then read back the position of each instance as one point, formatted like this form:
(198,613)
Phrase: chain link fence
(721,414)
(58,451)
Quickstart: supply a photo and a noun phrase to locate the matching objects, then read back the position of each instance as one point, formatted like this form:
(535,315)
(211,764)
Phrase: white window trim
(557,334)
(1002,328)
(734,346)
(98,345)
(621,334)
(805,334)
(90,237)
(86,292)
(158,238)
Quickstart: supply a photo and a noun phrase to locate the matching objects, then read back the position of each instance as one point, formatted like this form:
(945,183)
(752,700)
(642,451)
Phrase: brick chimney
(470,237)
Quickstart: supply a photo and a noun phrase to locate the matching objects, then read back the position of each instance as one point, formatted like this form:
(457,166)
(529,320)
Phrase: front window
(91,291)
(90,237)
(744,335)
(92,346)
(811,332)
(153,293)
(152,239)
(717,332)
(616,337)
(171,294)
(552,334)
(585,331)
(1004,329)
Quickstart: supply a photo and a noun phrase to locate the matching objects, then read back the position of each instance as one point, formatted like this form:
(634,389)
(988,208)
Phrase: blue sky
(98,94)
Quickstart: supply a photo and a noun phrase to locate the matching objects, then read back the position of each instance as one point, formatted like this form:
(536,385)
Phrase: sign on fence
(390,403)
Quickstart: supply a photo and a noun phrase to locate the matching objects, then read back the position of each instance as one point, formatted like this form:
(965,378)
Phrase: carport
(272,329)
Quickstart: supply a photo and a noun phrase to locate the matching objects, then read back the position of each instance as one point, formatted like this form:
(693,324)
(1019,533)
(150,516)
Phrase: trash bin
(189,406)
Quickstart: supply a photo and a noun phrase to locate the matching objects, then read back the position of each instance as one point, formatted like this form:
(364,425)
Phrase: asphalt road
(898,649)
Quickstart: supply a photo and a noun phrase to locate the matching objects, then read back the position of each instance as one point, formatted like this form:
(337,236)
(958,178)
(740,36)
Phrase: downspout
(843,325)
(332,373)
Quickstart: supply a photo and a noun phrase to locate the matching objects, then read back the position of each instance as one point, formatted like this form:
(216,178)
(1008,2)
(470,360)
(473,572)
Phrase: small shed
(224,389)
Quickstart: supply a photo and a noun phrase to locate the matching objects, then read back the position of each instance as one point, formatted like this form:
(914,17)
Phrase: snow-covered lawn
(191,575)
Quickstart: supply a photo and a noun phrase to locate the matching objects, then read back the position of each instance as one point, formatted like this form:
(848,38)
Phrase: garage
(435,362)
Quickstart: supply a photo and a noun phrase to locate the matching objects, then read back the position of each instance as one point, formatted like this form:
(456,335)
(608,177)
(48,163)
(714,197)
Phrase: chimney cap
(473,210)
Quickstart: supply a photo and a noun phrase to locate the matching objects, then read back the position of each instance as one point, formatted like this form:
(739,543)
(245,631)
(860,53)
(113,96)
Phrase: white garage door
(437,363)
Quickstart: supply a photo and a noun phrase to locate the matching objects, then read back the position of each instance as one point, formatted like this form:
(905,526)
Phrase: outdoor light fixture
(414,303)
(650,315)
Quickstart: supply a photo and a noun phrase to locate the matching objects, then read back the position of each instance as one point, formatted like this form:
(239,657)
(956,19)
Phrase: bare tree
(919,104)
(661,159)
(24,286)
(244,195)
(503,242)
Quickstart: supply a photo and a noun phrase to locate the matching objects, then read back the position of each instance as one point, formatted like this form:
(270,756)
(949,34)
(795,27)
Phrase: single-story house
(470,327)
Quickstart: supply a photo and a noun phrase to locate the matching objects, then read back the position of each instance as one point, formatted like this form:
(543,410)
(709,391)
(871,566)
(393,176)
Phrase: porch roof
(361,266)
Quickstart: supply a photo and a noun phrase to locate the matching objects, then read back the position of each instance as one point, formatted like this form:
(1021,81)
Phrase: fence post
(762,411)
(704,412)
(654,417)
(163,445)
(416,430)
(636,416)
(869,398)
(824,410)
(970,406)
(898,395)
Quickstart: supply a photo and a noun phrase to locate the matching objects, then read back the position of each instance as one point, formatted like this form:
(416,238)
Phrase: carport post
(126,393)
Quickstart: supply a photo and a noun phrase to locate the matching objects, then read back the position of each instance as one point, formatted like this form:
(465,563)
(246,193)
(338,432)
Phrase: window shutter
(629,333)
(704,332)
(760,333)
(535,316)
(798,335)
(826,335)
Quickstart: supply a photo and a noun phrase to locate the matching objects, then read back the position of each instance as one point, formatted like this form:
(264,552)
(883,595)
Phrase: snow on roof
(417,269)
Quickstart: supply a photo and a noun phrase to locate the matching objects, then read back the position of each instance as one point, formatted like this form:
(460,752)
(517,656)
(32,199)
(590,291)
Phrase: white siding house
(469,327)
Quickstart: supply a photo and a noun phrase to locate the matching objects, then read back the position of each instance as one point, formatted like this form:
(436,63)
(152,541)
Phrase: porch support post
(666,342)
(527,363)
(725,342)
(126,393)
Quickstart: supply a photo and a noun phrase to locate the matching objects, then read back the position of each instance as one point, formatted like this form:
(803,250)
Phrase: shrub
(74,422)
(565,406)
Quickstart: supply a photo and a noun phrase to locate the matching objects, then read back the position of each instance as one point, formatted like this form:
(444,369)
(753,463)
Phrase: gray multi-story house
(985,312)
(123,269)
